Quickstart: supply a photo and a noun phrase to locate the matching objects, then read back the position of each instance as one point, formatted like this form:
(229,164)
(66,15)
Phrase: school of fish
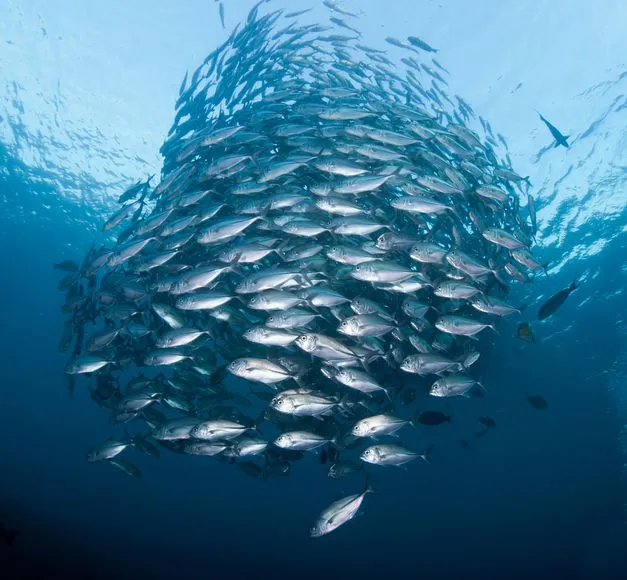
(328,241)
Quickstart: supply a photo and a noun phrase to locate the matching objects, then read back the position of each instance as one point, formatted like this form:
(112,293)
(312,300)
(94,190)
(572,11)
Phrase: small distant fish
(488,422)
(335,7)
(537,402)
(221,11)
(253,470)
(344,468)
(66,266)
(126,466)
(298,13)
(559,138)
(432,418)
(555,301)
(415,41)
(525,333)
(408,396)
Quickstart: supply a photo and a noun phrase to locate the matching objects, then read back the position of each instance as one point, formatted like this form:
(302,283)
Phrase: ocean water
(88,95)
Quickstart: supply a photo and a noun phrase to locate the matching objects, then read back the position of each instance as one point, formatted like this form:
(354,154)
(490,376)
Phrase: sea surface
(87,93)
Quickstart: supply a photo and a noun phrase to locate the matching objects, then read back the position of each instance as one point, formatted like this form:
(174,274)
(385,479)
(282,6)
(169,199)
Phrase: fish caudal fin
(426,454)
(483,387)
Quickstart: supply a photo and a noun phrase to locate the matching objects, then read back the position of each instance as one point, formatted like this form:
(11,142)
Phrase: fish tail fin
(426,454)
(493,328)
(279,250)
(574,285)
(343,404)
(483,387)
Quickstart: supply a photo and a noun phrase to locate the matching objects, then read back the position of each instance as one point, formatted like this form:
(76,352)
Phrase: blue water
(540,496)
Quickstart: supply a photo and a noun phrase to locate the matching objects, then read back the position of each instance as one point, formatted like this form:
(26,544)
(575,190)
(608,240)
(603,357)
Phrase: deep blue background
(541,496)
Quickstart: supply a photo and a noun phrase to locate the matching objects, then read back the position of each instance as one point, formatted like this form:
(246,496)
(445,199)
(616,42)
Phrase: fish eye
(357,268)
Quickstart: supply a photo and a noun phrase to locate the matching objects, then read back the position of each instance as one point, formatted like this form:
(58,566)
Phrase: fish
(378,425)
(557,135)
(108,449)
(524,332)
(537,402)
(453,385)
(388,454)
(221,10)
(66,266)
(488,422)
(415,41)
(300,441)
(338,513)
(554,302)
(327,223)
(125,466)
(344,468)
(431,418)
(86,364)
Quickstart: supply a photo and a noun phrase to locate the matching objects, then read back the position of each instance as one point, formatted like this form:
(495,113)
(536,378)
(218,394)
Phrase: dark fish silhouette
(525,333)
(555,301)
(8,535)
(432,418)
(559,138)
(253,470)
(221,10)
(66,266)
(408,395)
(488,422)
(418,43)
(537,402)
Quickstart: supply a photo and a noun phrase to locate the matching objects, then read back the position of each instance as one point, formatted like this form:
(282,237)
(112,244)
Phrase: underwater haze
(525,477)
